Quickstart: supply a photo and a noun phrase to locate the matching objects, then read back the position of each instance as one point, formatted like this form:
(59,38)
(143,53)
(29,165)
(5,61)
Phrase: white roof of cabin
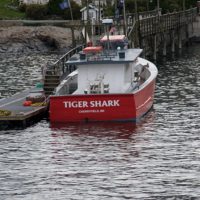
(113,38)
(110,58)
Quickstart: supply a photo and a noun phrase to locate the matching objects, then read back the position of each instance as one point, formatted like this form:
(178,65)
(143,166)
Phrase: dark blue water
(158,158)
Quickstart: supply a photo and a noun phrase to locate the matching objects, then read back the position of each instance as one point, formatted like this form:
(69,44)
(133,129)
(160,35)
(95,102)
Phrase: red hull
(102,107)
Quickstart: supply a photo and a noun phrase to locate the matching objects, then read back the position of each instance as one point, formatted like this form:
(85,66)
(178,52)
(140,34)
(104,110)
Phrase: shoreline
(21,39)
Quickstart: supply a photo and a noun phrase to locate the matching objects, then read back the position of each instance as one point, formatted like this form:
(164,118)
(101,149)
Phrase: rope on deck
(4,113)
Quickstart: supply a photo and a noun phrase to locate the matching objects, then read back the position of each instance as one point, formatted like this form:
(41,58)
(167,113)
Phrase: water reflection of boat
(119,130)
(95,128)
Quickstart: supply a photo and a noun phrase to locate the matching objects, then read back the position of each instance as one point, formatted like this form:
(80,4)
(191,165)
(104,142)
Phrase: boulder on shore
(21,39)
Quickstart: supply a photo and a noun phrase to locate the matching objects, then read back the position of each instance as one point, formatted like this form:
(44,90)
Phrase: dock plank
(14,105)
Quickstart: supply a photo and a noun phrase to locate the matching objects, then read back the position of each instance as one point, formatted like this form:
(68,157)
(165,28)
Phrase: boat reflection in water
(121,130)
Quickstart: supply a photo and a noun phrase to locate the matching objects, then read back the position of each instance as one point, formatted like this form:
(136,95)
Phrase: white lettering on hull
(75,104)
(108,103)
(91,104)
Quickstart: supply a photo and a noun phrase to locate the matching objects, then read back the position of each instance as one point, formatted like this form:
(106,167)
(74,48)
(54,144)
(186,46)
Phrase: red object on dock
(27,103)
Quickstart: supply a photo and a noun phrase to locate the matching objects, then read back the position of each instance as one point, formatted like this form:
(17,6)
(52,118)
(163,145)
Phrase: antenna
(107,23)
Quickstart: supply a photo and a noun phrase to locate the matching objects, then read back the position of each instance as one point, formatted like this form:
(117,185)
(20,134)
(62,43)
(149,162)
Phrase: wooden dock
(14,114)
(12,111)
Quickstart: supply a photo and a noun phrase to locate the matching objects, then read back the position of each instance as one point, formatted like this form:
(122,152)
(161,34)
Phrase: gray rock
(20,39)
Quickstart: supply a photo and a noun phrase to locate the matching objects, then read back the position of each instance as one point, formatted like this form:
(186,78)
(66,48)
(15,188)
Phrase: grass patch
(9,10)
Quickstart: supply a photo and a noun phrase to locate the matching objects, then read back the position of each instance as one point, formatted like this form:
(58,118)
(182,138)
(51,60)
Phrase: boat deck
(13,113)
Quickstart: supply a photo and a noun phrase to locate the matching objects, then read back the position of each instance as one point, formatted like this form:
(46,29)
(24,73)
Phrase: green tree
(75,11)
(85,2)
(172,5)
(36,11)
(54,9)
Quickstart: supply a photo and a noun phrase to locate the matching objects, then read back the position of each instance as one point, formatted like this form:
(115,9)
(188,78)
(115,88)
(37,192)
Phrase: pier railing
(155,24)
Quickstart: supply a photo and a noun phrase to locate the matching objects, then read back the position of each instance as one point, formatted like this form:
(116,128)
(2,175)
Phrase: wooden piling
(164,44)
(179,39)
(155,47)
(186,34)
(171,24)
(172,42)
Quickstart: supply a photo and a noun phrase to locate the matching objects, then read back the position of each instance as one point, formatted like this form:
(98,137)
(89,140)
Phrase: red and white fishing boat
(111,83)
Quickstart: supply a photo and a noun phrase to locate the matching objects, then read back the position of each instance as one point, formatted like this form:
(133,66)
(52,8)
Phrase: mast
(71,11)
(124,13)
(107,23)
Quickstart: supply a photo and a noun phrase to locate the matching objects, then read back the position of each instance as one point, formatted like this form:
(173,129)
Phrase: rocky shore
(26,39)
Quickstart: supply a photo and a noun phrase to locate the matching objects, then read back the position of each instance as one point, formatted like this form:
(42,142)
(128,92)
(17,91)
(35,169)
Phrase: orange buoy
(27,103)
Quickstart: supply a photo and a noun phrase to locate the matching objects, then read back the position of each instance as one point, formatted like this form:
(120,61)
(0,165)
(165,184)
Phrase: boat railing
(54,73)
(68,85)
(59,67)
(104,55)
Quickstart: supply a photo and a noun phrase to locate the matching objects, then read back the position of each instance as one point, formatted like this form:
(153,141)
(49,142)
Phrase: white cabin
(106,69)
(113,77)
(93,13)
